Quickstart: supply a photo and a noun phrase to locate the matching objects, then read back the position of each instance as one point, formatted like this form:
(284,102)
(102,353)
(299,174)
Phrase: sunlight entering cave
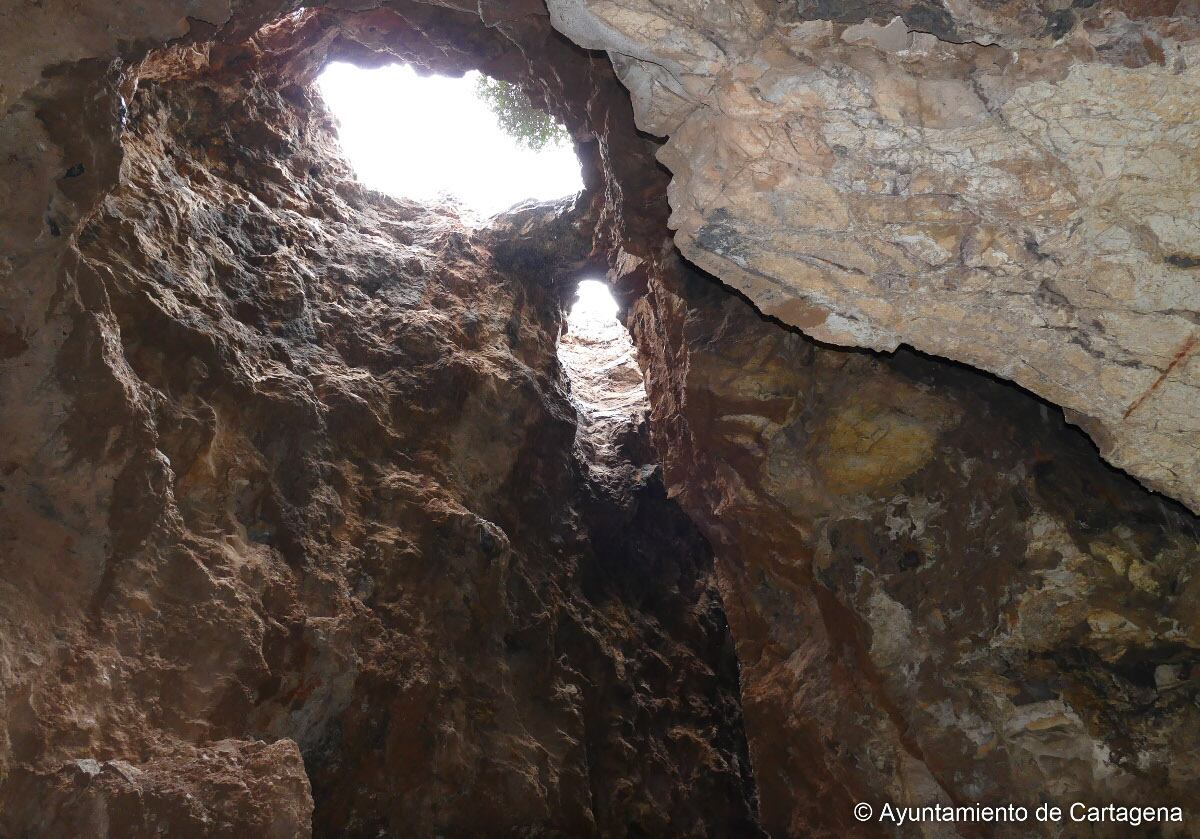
(430,137)
(594,308)
(600,361)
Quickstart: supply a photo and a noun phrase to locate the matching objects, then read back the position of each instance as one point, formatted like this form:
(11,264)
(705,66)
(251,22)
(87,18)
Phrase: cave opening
(598,356)
(471,140)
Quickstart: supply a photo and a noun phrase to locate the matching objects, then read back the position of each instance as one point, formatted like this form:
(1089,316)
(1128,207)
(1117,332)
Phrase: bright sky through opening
(594,309)
(420,137)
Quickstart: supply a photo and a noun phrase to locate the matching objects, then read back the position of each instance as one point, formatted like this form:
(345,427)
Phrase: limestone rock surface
(1010,186)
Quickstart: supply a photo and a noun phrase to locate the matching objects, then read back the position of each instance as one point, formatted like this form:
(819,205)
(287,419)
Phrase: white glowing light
(594,307)
(425,137)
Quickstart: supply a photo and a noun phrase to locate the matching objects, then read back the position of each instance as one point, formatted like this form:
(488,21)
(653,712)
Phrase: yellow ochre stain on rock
(879,440)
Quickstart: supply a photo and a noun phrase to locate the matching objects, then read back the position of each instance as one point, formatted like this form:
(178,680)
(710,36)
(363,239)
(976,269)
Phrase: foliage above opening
(525,122)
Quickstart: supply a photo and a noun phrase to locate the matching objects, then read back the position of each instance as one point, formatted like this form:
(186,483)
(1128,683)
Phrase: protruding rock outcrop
(940,594)
(1012,189)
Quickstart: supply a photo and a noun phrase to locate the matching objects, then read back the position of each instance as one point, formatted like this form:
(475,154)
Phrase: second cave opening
(599,359)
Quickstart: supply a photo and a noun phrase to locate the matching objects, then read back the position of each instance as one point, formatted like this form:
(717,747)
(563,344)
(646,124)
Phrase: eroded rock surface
(939,592)
(299,529)
(295,536)
(1009,186)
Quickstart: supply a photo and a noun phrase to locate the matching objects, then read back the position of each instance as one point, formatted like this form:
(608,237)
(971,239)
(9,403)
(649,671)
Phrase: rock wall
(295,537)
(1008,185)
(940,594)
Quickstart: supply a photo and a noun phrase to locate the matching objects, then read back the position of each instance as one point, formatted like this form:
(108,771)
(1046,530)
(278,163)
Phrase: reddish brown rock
(229,788)
(292,473)
(940,594)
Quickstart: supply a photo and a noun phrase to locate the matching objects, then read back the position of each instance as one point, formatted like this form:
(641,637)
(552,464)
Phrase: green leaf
(526,123)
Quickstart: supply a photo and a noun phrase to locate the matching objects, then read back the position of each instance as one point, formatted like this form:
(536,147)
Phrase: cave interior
(325,514)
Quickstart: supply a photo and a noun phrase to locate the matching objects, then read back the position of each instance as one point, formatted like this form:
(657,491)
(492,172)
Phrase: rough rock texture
(228,788)
(1007,185)
(939,592)
(290,474)
(300,531)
